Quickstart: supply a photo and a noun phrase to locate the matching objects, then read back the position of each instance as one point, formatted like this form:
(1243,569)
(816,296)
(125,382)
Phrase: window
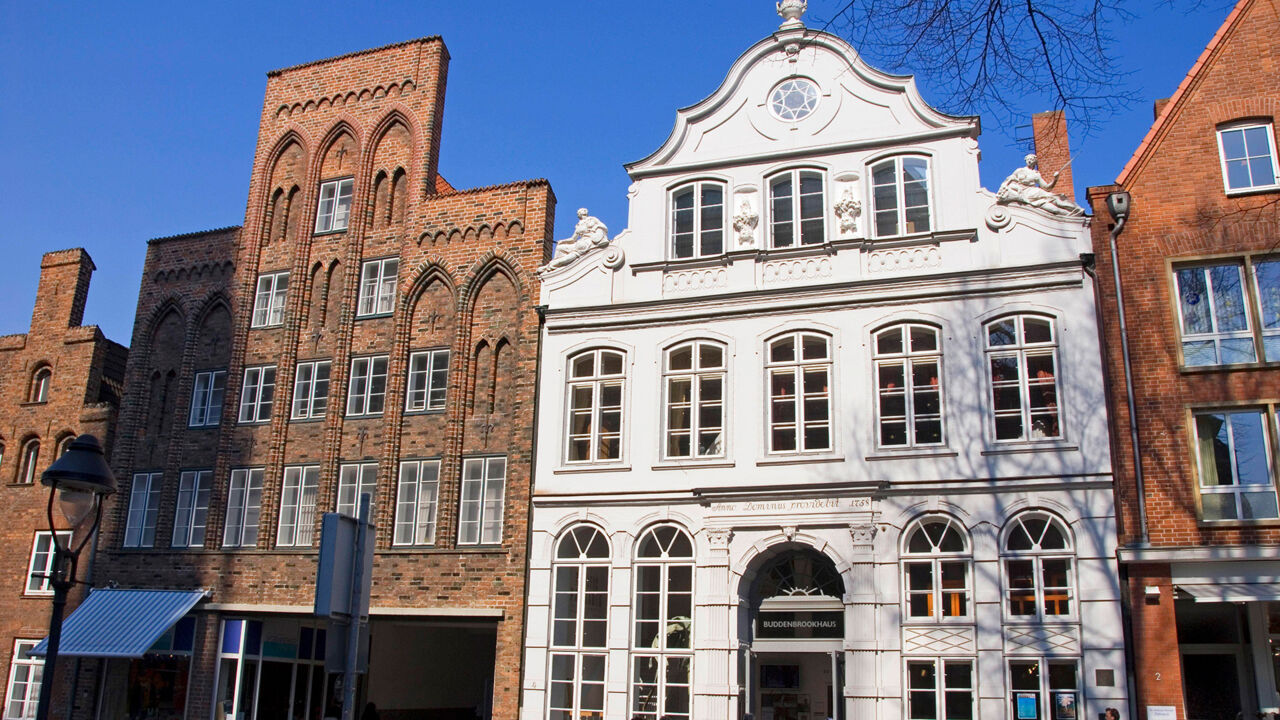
(697,220)
(1022,357)
(579,625)
(1237,470)
(695,400)
(1214,315)
(909,386)
(42,562)
(484,486)
(796,208)
(335,205)
(368,386)
(416,500)
(244,503)
(192,513)
(144,508)
(206,398)
(1248,157)
(595,406)
(258,392)
(428,378)
(938,688)
(298,506)
(40,385)
(900,196)
(30,460)
(662,654)
(936,569)
(311,390)
(1266,278)
(1033,681)
(794,99)
(353,481)
(1037,567)
(378,287)
(268,303)
(799,370)
(25,673)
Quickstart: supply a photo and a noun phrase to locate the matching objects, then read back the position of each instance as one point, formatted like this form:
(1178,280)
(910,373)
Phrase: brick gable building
(368,329)
(1200,282)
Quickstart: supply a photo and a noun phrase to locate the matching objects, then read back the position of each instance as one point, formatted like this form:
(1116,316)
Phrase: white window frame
(40,382)
(1037,556)
(269,300)
(29,461)
(1241,127)
(333,212)
(34,671)
(663,652)
(798,367)
(428,380)
(595,384)
(935,558)
(695,376)
(900,196)
(144,509)
(417,503)
(482,500)
(244,508)
(1234,487)
(367,385)
(354,480)
(40,566)
(308,401)
(258,394)
(298,493)
(941,693)
(581,549)
(1045,693)
(378,279)
(208,392)
(907,359)
(1022,353)
(796,222)
(1217,337)
(699,208)
(191,514)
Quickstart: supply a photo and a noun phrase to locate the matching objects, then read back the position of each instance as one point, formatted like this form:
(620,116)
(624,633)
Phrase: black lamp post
(80,480)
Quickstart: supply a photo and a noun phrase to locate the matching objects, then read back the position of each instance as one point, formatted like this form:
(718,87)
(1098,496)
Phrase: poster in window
(1064,706)
(1026,703)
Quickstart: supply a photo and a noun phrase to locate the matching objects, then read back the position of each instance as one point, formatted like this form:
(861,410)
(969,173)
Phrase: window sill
(1227,524)
(693,464)
(20,484)
(909,453)
(253,423)
(206,426)
(575,469)
(367,416)
(307,419)
(30,595)
(1030,446)
(33,403)
(375,316)
(335,231)
(434,550)
(800,459)
(1228,367)
(275,326)
(1253,190)
(429,411)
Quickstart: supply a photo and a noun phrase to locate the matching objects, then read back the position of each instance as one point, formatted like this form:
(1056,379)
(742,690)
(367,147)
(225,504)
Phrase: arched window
(579,625)
(1022,354)
(662,649)
(695,382)
(594,425)
(40,381)
(64,444)
(900,196)
(1037,567)
(936,568)
(799,375)
(30,458)
(804,572)
(796,208)
(908,360)
(697,220)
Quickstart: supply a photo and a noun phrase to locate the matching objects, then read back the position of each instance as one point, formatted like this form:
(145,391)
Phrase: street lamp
(80,480)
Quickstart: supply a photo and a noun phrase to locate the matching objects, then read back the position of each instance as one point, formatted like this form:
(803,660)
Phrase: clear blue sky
(128,121)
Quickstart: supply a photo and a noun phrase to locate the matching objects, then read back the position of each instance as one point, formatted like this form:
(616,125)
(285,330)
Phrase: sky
(128,121)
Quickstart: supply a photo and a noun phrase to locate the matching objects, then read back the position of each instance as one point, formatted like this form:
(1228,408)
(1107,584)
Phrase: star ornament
(794,99)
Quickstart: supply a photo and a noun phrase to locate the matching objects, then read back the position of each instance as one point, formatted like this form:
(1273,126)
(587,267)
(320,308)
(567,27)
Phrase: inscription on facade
(807,505)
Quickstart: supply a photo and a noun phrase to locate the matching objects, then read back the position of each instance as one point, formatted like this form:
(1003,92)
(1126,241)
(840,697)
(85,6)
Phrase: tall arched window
(30,458)
(799,373)
(1022,354)
(579,625)
(40,381)
(900,196)
(695,381)
(662,644)
(697,220)
(908,385)
(594,425)
(1038,557)
(936,568)
(64,444)
(796,208)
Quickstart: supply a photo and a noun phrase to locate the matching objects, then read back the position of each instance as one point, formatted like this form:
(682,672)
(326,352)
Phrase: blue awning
(117,623)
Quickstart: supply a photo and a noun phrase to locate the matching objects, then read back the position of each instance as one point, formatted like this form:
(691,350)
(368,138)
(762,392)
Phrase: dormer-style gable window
(795,207)
(900,196)
(1248,155)
(697,220)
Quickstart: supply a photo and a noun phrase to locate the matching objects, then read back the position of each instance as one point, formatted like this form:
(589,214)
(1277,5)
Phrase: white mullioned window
(695,398)
(796,209)
(41,565)
(191,515)
(378,287)
(428,380)
(417,498)
(311,390)
(298,506)
(244,505)
(908,362)
(697,220)
(940,688)
(579,625)
(354,480)
(900,196)
(258,394)
(1266,279)
(484,488)
(268,302)
(40,382)
(25,675)
(1213,315)
(30,461)
(1248,155)
(1237,467)
(144,508)
(1045,687)
(662,649)
(206,398)
(595,412)
(1038,559)
(367,388)
(799,377)
(334,211)
(937,570)
(1022,355)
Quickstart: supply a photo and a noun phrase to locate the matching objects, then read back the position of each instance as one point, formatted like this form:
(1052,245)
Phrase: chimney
(63,290)
(1158,107)
(1054,150)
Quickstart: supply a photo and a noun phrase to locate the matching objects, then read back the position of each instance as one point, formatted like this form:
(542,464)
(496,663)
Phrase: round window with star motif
(794,99)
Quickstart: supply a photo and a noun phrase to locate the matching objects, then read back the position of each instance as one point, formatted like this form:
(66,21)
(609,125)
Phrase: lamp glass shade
(77,505)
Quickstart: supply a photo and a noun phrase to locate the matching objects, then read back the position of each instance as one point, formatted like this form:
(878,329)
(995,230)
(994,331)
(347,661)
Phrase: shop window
(937,569)
(416,503)
(274,669)
(595,388)
(367,388)
(258,394)
(1045,688)
(268,303)
(298,506)
(799,376)
(900,196)
(334,211)
(428,379)
(697,220)
(484,487)
(1022,356)
(1248,157)
(796,215)
(355,481)
(41,565)
(25,674)
(144,508)
(244,505)
(191,515)
(1038,559)
(311,390)
(662,651)
(940,688)
(206,398)
(695,413)
(908,371)
(378,287)
(579,625)
(1237,469)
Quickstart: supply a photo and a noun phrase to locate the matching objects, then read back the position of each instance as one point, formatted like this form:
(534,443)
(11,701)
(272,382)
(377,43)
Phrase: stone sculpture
(588,234)
(848,209)
(1025,186)
(744,224)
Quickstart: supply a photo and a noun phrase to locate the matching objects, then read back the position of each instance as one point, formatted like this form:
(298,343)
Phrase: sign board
(335,648)
(333,574)
(799,625)
(1162,712)
(1027,709)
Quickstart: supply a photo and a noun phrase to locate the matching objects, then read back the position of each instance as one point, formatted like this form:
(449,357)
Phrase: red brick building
(59,380)
(1199,275)
(369,329)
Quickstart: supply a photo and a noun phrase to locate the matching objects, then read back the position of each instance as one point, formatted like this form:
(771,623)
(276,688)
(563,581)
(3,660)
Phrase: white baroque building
(822,434)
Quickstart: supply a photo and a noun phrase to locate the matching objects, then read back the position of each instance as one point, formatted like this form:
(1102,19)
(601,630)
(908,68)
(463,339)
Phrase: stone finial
(790,11)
